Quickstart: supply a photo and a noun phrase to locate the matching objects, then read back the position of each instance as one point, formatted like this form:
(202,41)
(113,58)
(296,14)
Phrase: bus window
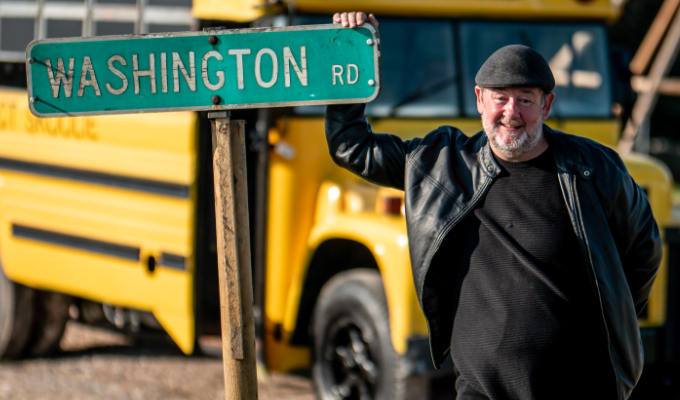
(419,77)
(577,54)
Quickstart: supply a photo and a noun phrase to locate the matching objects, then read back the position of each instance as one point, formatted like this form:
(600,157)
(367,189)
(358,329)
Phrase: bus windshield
(577,54)
(428,66)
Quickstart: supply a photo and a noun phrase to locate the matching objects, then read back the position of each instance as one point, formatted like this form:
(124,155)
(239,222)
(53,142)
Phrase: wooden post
(233,257)
(636,130)
(646,49)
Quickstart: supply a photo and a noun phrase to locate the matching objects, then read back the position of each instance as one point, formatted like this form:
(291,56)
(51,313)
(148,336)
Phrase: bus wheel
(16,316)
(50,317)
(353,353)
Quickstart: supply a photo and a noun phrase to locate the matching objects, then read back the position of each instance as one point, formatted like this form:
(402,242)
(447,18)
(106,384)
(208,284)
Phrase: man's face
(513,119)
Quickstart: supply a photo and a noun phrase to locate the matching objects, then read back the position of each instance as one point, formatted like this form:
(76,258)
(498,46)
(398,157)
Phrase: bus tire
(16,316)
(51,312)
(353,353)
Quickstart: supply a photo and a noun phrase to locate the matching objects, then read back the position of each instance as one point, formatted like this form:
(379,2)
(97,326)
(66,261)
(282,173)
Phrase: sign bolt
(31,60)
(371,82)
(32,100)
(212,39)
(216,100)
(369,42)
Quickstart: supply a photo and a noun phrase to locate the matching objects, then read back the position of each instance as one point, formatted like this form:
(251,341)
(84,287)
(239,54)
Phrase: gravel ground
(96,363)
(99,364)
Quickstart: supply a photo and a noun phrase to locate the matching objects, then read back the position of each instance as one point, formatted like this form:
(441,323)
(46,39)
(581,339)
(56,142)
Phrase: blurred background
(108,256)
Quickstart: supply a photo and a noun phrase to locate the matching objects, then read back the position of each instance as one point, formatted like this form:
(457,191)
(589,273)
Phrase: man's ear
(547,104)
(480,101)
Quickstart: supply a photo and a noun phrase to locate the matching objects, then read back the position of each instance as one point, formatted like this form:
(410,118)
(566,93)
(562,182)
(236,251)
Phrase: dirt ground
(99,364)
(96,363)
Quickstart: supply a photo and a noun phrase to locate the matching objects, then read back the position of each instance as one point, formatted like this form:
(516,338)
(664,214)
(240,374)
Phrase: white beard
(520,143)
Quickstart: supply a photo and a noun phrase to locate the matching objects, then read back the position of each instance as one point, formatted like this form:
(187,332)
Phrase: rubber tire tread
(51,312)
(358,293)
(16,317)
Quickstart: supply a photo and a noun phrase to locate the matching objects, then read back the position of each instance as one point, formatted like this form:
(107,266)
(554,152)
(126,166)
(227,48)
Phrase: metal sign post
(211,71)
(233,257)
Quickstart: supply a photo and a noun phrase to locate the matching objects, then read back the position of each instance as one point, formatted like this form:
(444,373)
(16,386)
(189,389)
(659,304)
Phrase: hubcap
(349,367)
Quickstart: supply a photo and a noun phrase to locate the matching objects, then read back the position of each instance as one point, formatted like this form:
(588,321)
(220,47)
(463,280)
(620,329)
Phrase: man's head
(514,97)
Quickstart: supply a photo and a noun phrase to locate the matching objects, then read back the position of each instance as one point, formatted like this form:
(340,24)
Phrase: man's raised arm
(379,158)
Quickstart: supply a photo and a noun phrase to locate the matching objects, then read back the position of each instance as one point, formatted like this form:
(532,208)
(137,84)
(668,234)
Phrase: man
(533,251)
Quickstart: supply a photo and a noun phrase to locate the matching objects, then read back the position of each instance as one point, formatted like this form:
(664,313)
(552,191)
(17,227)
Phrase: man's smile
(511,126)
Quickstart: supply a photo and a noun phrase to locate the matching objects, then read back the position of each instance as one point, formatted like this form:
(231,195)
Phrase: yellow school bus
(111,218)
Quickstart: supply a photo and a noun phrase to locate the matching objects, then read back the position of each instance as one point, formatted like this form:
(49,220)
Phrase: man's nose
(511,107)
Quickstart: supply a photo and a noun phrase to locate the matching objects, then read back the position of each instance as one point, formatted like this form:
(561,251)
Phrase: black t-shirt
(526,319)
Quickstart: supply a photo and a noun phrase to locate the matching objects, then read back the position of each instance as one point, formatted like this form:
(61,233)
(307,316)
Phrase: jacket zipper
(473,202)
(581,233)
(435,245)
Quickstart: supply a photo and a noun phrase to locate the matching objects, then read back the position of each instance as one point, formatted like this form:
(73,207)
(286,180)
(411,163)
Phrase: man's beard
(520,143)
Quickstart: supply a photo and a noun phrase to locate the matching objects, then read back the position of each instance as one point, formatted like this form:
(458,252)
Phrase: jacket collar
(486,159)
(568,157)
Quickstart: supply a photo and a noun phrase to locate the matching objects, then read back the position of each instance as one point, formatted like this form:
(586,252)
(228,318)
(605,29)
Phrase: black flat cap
(515,66)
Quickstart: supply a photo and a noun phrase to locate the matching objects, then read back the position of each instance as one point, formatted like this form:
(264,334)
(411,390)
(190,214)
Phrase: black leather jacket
(444,175)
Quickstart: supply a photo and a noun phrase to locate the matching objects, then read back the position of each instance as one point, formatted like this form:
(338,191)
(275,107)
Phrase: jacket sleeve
(637,236)
(379,158)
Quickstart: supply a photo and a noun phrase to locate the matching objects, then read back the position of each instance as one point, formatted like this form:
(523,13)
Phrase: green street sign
(214,70)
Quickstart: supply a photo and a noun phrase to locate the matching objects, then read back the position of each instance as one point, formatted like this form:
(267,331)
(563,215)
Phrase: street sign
(214,70)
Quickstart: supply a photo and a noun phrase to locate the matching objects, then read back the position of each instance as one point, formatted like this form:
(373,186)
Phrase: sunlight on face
(513,119)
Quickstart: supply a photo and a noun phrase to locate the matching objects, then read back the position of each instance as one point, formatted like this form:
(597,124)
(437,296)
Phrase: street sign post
(233,257)
(215,70)
(211,71)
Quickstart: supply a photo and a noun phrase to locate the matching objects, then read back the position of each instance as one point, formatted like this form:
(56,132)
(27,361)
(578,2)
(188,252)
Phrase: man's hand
(352,19)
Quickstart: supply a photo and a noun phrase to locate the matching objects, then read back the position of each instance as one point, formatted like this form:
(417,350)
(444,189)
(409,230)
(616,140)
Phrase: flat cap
(515,65)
